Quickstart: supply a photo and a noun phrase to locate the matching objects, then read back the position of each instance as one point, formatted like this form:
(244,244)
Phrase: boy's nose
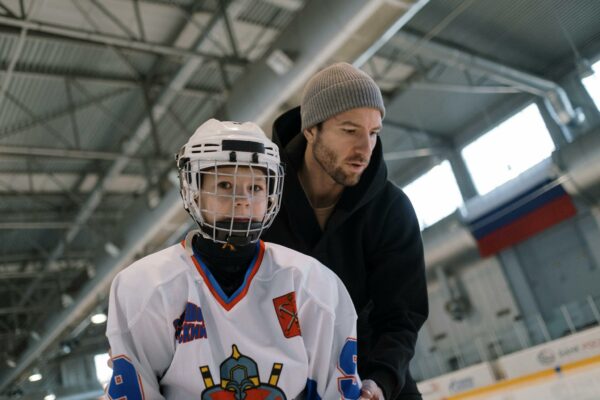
(242,199)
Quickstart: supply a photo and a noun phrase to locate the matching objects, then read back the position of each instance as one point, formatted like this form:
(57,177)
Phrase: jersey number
(348,386)
(125,383)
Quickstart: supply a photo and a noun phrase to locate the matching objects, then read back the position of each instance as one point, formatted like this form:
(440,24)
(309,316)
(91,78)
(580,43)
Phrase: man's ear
(310,134)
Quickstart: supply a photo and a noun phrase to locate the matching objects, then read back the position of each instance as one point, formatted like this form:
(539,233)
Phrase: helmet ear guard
(218,144)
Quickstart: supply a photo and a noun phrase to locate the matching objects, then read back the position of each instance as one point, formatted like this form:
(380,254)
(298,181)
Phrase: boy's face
(233,193)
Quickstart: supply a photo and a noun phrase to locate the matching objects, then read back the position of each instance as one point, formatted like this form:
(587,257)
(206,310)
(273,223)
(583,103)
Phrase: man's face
(229,193)
(343,145)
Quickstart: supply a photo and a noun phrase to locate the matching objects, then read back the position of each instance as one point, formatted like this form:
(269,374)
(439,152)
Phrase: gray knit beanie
(336,89)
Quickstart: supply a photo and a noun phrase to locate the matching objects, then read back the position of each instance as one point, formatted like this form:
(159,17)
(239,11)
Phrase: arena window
(434,195)
(592,84)
(508,149)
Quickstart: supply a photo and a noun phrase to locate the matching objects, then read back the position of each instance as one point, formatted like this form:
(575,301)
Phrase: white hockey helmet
(229,144)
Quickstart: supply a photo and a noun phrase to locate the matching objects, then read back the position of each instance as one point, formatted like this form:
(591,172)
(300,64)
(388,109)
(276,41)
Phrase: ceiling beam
(22,225)
(72,256)
(18,49)
(118,41)
(105,79)
(469,89)
(45,119)
(319,41)
(411,11)
(411,153)
(555,97)
(5,276)
(73,154)
(23,310)
(434,138)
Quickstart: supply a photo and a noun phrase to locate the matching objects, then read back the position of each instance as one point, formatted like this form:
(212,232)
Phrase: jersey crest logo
(240,380)
(190,325)
(287,314)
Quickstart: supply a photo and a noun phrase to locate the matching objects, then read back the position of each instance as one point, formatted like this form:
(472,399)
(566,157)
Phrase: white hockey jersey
(287,333)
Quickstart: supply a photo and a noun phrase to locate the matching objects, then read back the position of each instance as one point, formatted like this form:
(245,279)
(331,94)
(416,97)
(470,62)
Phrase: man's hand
(370,391)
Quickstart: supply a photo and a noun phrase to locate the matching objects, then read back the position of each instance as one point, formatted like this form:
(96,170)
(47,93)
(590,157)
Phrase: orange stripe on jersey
(230,303)
(255,267)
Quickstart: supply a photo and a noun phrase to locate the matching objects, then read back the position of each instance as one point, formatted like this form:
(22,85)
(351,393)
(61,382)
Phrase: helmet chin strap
(188,241)
(236,233)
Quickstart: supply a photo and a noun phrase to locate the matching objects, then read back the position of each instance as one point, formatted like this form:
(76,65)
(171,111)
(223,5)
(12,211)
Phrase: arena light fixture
(35,376)
(280,62)
(112,249)
(99,317)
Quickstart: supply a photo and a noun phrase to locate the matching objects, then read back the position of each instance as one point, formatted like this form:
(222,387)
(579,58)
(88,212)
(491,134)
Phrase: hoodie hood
(292,144)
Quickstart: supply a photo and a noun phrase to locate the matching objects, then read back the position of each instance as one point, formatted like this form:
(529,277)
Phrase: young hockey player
(224,315)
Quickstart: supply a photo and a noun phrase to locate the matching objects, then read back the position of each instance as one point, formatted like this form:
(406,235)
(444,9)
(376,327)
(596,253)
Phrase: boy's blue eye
(224,185)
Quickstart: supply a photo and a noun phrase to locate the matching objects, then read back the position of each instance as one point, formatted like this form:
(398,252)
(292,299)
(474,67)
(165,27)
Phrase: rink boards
(564,369)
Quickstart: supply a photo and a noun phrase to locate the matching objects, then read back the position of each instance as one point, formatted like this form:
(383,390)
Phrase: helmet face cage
(232,202)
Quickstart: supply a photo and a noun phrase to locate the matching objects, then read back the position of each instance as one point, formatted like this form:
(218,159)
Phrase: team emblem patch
(190,325)
(287,314)
(240,380)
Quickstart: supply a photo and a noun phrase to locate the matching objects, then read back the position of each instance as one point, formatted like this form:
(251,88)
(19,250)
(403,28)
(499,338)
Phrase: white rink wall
(466,379)
(553,354)
(579,384)
(564,369)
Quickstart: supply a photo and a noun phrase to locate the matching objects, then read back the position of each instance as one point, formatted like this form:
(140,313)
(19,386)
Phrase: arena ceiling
(97,95)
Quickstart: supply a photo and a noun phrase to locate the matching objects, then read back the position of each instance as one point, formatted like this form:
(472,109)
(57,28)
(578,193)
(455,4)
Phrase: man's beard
(328,160)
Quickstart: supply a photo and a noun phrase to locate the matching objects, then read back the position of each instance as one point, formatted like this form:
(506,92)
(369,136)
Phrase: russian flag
(522,216)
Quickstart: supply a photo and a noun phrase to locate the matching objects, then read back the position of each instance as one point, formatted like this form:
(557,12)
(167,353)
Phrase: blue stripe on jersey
(311,390)
(213,282)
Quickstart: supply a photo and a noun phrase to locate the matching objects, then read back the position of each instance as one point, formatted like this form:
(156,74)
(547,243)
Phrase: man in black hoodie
(339,207)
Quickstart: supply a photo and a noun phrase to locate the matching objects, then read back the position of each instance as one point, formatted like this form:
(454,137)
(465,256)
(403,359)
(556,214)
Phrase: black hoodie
(373,243)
